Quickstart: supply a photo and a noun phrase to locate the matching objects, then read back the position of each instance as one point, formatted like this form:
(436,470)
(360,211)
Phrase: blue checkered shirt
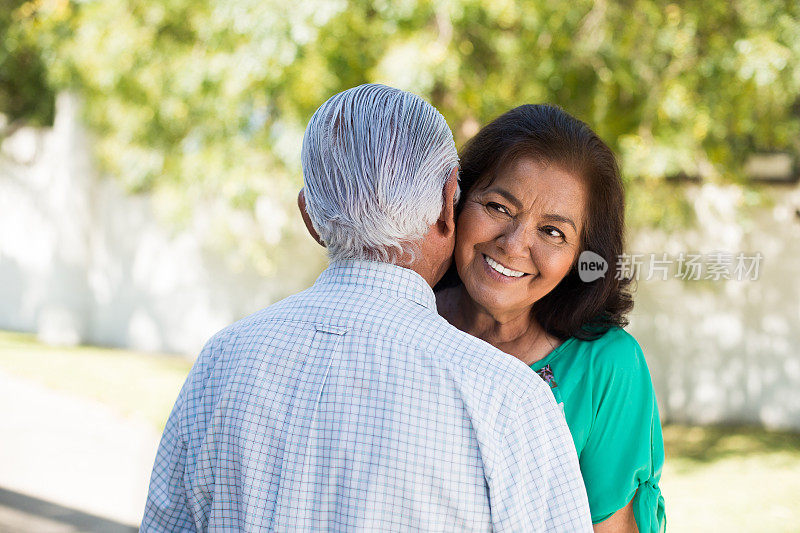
(353,406)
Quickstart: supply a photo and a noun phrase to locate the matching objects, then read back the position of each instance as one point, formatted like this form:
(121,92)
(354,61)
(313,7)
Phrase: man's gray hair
(375,161)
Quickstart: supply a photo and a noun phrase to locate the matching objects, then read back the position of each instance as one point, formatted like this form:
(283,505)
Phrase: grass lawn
(731,479)
(715,479)
(134,384)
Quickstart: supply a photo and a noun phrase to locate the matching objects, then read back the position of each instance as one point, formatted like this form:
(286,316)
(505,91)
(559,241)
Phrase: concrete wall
(80,261)
(727,350)
(83,262)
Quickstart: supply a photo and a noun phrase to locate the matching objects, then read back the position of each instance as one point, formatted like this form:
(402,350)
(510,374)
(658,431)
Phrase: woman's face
(517,238)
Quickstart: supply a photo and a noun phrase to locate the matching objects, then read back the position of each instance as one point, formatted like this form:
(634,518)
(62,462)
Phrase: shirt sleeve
(535,484)
(624,451)
(167,507)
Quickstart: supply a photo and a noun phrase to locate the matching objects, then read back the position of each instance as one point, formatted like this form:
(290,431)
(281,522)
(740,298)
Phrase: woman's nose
(515,240)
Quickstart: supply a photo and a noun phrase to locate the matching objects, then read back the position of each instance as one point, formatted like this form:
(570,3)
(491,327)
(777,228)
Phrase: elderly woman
(538,188)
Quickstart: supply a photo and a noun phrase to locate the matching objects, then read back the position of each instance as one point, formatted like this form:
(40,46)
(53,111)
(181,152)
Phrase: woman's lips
(499,271)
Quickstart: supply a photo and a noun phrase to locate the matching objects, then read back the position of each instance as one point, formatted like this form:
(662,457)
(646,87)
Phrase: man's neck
(420,268)
(429,277)
(432,259)
(420,264)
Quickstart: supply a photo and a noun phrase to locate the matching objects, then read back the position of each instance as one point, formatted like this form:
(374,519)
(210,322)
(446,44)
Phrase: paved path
(70,458)
(23,514)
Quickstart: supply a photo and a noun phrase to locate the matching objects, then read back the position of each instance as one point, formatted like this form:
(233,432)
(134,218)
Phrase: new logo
(591,266)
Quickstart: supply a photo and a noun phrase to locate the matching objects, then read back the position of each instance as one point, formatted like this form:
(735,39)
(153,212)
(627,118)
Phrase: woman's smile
(501,272)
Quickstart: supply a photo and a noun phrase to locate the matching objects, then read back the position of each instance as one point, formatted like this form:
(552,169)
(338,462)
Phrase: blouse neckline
(547,359)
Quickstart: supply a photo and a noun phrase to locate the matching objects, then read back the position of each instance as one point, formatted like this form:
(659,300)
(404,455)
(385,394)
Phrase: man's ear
(301,205)
(447,220)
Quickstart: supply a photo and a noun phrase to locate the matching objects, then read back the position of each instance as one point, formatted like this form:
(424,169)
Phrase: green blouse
(610,407)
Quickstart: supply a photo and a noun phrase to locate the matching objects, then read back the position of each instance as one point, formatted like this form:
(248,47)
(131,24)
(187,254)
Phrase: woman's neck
(514,332)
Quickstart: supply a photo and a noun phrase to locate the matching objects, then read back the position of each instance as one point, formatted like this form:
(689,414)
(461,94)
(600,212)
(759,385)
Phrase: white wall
(80,261)
(727,350)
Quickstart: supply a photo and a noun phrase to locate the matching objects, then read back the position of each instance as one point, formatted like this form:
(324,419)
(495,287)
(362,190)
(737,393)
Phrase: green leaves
(24,91)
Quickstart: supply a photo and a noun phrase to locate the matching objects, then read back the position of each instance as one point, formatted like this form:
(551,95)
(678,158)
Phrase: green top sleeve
(611,410)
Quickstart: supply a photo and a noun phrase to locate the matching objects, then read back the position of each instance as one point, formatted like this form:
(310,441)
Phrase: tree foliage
(204,101)
(24,92)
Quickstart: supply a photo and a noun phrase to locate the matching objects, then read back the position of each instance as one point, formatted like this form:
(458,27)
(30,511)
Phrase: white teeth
(503,270)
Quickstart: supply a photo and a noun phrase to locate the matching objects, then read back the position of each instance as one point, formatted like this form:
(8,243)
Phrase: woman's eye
(552,231)
(497,207)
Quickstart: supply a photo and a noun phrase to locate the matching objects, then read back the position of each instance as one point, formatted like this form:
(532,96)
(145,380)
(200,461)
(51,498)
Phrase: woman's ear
(301,205)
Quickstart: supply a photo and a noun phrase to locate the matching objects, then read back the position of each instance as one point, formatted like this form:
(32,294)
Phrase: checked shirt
(353,406)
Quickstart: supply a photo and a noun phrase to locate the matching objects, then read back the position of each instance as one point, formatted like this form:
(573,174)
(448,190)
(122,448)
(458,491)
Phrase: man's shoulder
(258,325)
(478,366)
(469,352)
(291,308)
(497,384)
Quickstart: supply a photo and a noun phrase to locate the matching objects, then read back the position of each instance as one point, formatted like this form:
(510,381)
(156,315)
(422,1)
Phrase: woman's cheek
(554,264)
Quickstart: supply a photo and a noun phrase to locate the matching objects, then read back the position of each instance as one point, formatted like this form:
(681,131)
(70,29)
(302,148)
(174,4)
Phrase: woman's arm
(620,522)
(623,455)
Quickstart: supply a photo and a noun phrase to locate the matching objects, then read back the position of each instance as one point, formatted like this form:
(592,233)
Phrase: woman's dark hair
(549,135)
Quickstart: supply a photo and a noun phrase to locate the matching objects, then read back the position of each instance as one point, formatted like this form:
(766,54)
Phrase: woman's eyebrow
(507,195)
(560,218)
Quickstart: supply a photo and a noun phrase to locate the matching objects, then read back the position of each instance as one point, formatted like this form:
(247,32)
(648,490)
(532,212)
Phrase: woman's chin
(501,298)
(495,301)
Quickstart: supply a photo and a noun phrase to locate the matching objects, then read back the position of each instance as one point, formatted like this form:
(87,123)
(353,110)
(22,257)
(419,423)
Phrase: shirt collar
(390,279)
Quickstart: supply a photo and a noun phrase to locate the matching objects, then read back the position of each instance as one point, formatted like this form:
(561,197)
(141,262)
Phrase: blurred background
(149,164)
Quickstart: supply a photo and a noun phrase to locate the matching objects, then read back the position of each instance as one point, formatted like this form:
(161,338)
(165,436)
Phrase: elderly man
(353,406)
